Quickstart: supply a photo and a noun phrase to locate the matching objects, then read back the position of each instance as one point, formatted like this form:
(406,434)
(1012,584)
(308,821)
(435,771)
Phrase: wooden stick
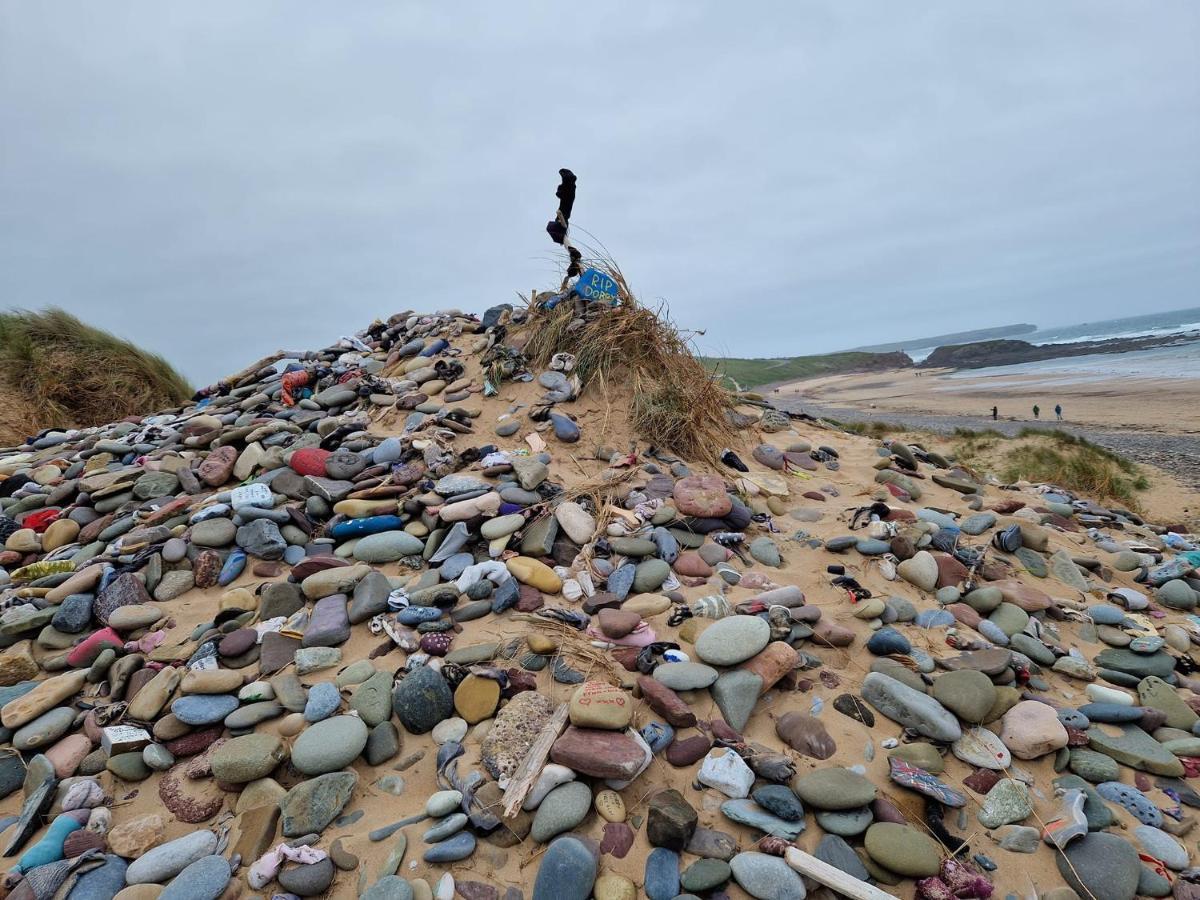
(831,876)
(525,776)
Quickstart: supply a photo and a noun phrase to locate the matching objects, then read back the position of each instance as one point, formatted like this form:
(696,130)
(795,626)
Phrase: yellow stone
(871,608)
(60,533)
(24,540)
(770,483)
(358,509)
(540,643)
(98,463)
(476,698)
(598,704)
(610,806)
(691,629)
(239,598)
(211,681)
(46,695)
(536,574)
(47,474)
(611,886)
(647,605)
(153,696)
(291,725)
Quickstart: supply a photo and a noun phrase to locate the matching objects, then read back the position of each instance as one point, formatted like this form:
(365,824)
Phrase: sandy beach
(1166,405)
(1152,421)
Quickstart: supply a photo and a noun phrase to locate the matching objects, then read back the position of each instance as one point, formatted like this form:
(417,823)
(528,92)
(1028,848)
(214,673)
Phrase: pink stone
(68,753)
(691,564)
(1031,729)
(85,653)
(703,496)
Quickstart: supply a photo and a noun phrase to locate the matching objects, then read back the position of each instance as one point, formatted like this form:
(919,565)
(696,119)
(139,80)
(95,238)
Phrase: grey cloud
(218,180)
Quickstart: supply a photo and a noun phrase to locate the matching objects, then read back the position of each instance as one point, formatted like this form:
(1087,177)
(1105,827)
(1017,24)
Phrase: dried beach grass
(77,375)
(678,404)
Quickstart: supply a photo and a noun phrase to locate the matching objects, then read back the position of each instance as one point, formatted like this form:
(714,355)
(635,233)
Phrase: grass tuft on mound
(678,404)
(61,372)
(1076,464)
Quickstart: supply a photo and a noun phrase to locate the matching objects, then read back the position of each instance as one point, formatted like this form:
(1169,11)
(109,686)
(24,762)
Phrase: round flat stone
(732,640)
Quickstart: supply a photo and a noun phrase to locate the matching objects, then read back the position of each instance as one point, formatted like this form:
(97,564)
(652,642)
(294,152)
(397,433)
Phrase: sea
(1181,361)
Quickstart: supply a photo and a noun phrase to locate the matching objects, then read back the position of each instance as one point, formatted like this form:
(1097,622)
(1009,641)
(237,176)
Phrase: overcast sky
(218,180)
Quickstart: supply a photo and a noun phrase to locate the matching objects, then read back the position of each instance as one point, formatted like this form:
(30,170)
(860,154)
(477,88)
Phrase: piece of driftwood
(523,779)
(832,877)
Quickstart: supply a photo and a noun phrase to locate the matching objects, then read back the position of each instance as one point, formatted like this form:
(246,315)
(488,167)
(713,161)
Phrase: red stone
(529,599)
(1028,598)
(309,461)
(806,735)
(692,565)
(310,565)
(207,569)
(687,751)
(885,810)
(702,496)
(666,702)
(626,657)
(982,780)
(218,466)
(721,731)
(964,614)
(475,890)
(776,660)
(618,838)
(85,653)
(616,623)
(598,753)
(951,573)
(81,841)
(196,742)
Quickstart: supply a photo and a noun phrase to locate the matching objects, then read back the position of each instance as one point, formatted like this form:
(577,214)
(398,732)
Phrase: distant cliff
(982,354)
(957,337)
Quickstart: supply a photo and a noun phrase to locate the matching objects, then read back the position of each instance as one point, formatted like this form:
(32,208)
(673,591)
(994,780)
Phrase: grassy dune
(57,371)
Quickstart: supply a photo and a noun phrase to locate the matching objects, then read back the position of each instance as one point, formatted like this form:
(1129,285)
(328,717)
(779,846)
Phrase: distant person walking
(995,413)
(1058,411)
(1036,409)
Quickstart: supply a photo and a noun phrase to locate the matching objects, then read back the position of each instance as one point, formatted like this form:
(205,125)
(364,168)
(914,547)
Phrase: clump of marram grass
(75,375)
(871,428)
(678,404)
(1077,465)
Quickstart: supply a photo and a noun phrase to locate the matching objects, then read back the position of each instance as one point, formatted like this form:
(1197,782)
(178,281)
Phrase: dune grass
(1052,457)
(678,404)
(1076,464)
(874,428)
(69,373)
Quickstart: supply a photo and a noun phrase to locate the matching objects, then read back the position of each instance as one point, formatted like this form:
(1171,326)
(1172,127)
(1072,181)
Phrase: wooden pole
(831,876)
(525,776)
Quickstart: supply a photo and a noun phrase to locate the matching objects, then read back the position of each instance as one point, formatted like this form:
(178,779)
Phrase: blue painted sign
(596,287)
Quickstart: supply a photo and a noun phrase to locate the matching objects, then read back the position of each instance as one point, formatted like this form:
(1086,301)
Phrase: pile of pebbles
(234,630)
